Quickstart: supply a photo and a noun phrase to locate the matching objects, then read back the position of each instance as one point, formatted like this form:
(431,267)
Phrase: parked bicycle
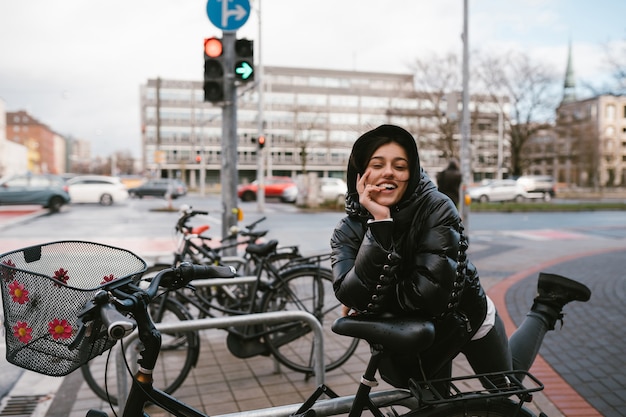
(96,313)
(282,282)
(195,247)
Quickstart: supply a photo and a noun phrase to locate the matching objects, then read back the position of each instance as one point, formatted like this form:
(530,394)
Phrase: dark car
(49,191)
(159,188)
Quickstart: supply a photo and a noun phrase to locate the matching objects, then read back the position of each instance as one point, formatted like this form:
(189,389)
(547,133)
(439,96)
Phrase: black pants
(495,352)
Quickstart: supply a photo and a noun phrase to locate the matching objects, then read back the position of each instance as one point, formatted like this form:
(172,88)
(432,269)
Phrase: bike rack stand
(223,322)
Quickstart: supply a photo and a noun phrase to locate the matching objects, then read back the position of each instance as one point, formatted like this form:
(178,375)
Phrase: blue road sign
(228,15)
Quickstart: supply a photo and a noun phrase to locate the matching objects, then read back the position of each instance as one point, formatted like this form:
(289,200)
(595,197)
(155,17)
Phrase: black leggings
(494,352)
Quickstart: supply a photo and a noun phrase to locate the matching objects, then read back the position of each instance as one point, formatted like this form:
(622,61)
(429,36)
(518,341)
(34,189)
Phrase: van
(542,186)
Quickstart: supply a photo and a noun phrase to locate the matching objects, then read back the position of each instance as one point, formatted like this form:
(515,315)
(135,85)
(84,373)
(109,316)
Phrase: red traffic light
(198,159)
(213,47)
(261,141)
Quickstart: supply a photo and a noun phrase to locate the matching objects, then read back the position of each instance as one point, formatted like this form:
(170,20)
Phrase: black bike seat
(262,249)
(393,333)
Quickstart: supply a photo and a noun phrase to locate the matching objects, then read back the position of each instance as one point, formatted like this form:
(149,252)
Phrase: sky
(77,65)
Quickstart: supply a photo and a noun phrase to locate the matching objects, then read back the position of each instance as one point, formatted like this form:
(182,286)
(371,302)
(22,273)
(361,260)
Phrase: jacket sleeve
(358,260)
(428,284)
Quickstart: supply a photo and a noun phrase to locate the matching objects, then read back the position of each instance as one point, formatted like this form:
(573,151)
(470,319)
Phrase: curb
(13,215)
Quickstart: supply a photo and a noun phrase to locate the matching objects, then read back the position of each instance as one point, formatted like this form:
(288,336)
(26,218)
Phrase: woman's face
(388,169)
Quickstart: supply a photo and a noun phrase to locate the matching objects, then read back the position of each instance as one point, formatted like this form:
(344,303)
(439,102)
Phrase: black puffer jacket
(421,245)
(413,265)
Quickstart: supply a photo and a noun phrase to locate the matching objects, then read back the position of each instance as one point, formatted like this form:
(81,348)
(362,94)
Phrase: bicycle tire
(480,407)
(305,288)
(179,354)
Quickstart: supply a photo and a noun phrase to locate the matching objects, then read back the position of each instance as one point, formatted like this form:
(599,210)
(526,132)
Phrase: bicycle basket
(44,287)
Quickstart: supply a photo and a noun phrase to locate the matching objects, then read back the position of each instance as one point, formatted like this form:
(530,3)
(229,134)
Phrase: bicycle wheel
(179,353)
(278,260)
(481,407)
(306,288)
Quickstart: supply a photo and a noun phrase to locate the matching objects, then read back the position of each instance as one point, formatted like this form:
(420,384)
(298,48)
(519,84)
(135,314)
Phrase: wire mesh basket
(44,288)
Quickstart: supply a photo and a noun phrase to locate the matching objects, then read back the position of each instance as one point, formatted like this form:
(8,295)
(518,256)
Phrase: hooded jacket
(415,264)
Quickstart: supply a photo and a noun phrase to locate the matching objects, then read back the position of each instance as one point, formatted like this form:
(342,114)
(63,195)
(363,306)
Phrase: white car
(99,189)
(333,189)
(498,190)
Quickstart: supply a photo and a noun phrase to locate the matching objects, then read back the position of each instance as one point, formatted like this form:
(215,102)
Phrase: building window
(610,112)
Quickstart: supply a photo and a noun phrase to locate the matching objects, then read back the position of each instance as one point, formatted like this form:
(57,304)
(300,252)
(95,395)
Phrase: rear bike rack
(468,387)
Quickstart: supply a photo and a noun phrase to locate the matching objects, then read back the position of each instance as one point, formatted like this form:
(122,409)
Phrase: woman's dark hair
(362,151)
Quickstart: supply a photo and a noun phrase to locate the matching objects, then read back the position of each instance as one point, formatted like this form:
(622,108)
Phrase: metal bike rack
(223,322)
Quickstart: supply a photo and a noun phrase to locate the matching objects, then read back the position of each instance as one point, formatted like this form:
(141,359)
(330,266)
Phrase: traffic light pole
(229,175)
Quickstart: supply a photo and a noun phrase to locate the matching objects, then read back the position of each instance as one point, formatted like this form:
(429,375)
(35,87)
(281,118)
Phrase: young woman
(401,250)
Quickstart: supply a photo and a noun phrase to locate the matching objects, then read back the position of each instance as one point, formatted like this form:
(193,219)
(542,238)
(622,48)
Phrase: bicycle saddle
(262,249)
(393,333)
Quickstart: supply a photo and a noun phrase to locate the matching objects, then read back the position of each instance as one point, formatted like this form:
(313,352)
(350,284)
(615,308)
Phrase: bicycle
(205,252)
(96,315)
(300,284)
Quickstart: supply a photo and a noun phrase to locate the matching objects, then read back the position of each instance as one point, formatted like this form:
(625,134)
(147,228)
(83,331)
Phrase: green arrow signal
(244,71)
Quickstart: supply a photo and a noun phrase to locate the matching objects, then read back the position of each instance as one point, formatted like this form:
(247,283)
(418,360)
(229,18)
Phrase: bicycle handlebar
(112,304)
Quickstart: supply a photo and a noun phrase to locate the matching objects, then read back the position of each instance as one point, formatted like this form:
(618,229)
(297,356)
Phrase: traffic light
(261,142)
(213,70)
(198,158)
(244,60)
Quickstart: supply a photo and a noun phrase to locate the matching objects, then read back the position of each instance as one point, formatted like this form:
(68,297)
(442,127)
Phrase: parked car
(49,191)
(538,186)
(333,189)
(283,188)
(100,189)
(159,188)
(498,190)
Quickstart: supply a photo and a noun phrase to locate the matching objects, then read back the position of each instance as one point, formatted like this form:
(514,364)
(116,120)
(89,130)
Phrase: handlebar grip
(179,277)
(200,213)
(117,324)
(253,224)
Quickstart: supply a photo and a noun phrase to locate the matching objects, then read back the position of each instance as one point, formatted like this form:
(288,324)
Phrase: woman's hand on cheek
(367,193)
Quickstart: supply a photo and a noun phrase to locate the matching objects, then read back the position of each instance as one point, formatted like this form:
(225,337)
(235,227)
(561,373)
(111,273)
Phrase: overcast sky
(77,65)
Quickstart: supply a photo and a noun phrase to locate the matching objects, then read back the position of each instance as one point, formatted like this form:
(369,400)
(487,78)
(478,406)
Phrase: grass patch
(512,207)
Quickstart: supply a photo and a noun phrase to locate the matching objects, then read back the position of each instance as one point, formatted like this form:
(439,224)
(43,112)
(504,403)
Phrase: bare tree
(438,81)
(616,63)
(125,163)
(533,92)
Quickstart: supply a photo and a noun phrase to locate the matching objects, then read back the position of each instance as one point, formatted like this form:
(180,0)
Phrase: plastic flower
(60,329)
(107,278)
(22,332)
(6,273)
(61,276)
(18,292)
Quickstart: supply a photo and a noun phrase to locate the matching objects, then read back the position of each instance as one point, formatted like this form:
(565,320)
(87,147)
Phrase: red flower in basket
(18,292)
(22,332)
(60,329)
(6,273)
(107,278)
(61,276)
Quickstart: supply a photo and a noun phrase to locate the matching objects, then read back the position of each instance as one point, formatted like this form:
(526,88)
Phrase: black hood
(362,151)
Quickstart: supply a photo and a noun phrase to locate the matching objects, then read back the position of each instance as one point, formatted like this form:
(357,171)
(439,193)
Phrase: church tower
(569,86)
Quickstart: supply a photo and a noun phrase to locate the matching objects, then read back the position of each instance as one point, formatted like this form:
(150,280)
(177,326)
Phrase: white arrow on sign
(239,12)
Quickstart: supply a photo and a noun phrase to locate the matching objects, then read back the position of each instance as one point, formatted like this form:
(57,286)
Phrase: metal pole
(260,198)
(465,123)
(500,141)
(230,176)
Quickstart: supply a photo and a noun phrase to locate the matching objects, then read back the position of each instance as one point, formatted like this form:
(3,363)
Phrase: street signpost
(229,15)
